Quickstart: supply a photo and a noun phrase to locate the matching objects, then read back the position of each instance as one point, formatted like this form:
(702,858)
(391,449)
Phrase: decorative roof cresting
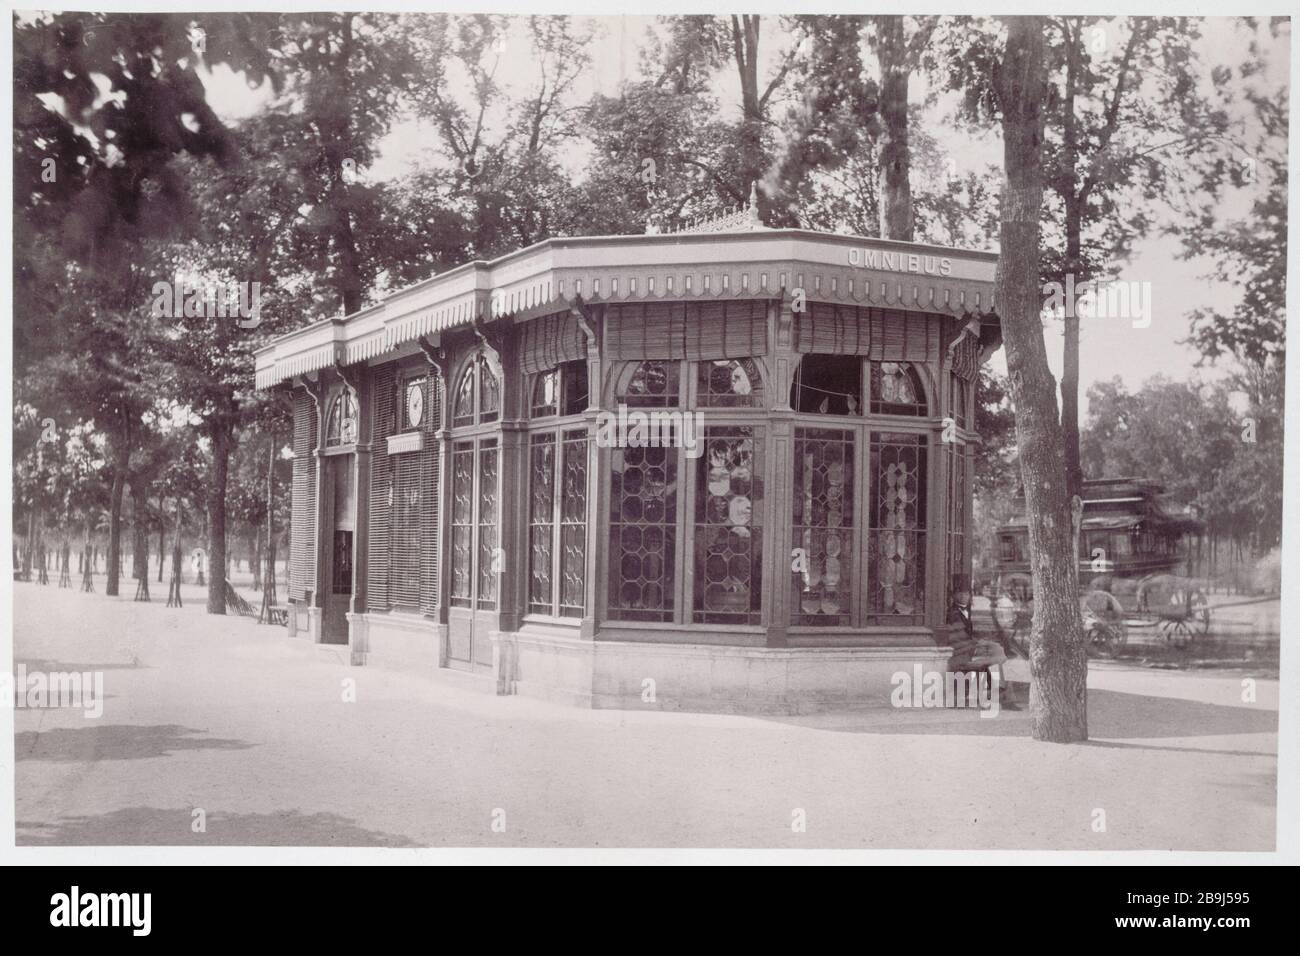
(743,218)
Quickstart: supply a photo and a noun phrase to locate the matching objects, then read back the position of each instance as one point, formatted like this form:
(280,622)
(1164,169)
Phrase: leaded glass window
(651,384)
(573,525)
(489,401)
(728,527)
(896,389)
(557,524)
(341,427)
(643,533)
(463,404)
(541,523)
(730,383)
(477,396)
(546,394)
(560,391)
(896,523)
(823,516)
(487,525)
(462,523)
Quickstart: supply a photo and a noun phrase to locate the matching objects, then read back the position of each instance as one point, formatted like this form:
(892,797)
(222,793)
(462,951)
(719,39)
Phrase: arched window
(730,383)
(477,395)
(341,425)
(828,385)
(560,391)
(653,384)
(896,389)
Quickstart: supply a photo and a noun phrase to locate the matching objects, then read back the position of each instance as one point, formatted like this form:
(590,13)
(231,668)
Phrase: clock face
(414,404)
(348,432)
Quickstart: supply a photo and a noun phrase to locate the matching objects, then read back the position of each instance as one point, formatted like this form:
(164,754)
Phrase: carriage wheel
(1198,612)
(1013,611)
(1190,620)
(1177,632)
(1103,623)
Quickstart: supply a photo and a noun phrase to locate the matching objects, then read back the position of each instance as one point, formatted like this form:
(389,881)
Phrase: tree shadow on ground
(1112,715)
(115,742)
(151,826)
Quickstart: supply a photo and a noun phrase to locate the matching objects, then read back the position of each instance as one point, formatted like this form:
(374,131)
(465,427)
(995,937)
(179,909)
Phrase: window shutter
(724,330)
(383,407)
(835,330)
(687,330)
(431,510)
(551,341)
(302,523)
(904,336)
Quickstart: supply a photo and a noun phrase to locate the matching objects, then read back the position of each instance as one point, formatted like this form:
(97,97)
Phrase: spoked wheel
(1013,611)
(1103,623)
(1186,617)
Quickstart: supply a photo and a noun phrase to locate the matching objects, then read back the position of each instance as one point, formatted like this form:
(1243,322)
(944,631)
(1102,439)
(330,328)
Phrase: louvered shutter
(550,341)
(302,522)
(687,330)
(431,501)
(383,398)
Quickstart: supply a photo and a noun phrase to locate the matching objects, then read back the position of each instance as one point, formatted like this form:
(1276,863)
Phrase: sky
(1133,351)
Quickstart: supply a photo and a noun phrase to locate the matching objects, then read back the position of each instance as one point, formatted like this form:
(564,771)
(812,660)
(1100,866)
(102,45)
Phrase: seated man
(969,652)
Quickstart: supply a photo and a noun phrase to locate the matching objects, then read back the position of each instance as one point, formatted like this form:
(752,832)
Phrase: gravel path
(236,720)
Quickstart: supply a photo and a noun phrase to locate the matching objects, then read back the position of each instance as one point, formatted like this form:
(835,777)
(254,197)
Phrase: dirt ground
(267,741)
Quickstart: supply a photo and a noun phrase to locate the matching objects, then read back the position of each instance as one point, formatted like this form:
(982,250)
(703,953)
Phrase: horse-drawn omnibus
(1137,563)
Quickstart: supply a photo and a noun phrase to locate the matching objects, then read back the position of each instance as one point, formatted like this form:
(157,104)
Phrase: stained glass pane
(489,398)
(643,533)
(487,525)
(332,424)
(896,529)
(541,518)
(728,527)
(463,405)
(546,394)
(462,523)
(573,526)
(822,570)
(730,383)
(652,384)
(896,389)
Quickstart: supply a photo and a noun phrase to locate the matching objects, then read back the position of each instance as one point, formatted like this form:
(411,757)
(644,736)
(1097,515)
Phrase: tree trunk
(254,544)
(217,519)
(895,157)
(114,555)
(162,542)
(1058,662)
(1069,189)
(744,38)
(31,536)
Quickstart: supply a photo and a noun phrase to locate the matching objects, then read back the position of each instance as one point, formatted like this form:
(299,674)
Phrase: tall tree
(1058,661)
(1125,115)
(897,55)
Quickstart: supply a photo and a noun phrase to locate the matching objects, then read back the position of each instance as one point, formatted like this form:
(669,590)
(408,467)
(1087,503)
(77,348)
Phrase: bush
(1267,574)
